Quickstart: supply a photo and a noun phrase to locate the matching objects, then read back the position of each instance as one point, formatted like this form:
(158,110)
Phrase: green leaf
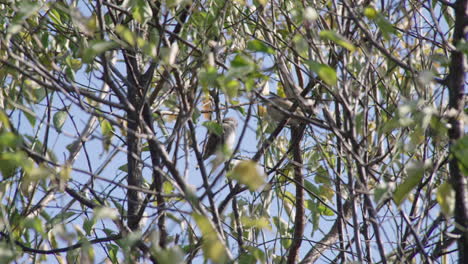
(34,223)
(382,191)
(301,44)
(123,168)
(213,127)
(446,199)
(172,255)
(107,131)
(10,140)
(4,120)
(106,128)
(105,213)
(261,222)
(60,218)
(325,72)
(168,187)
(370,12)
(97,47)
(247,172)
(30,116)
(213,249)
(311,188)
(252,256)
(54,15)
(241,61)
(460,151)
(9,161)
(25,10)
(141,11)
(75,64)
(337,38)
(322,176)
(384,25)
(231,87)
(113,250)
(127,35)
(59,120)
(208,77)
(281,225)
(88,225)
(415,174)
(259,46)
(324,210)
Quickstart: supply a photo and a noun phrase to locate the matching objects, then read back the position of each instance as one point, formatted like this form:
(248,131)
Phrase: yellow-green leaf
(213,249)
(261,222)
(370,12)
(106,128)
(337,38)
(247,172)
(4,120)
(325,72)
(126,35)
(446,199)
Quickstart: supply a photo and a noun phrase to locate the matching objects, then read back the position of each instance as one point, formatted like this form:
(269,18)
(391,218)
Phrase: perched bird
(278,106)
(228,137)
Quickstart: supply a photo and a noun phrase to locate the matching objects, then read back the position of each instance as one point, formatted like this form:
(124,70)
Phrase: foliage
(104,107)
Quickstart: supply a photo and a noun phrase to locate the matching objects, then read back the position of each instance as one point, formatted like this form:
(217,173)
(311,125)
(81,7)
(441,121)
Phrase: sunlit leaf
(325,210)
(310,14)
(106,128)
(127,35)
(325,72)
(370,12)
(247,172)
(385,26)
(141,11)
(232,88)
(105,213)
(4,120)
(241,61)
(337,38)
(112,252)
(213,249)
(213,127)
(25,10)
(261,222)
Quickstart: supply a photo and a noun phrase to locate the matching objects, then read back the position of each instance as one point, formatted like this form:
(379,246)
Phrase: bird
(227,138)
(278,108)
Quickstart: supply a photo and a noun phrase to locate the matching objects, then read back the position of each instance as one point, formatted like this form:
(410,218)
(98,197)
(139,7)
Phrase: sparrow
(228,137)
(274,112)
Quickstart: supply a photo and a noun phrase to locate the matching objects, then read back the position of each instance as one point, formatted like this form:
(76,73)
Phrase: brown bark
(456,85)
